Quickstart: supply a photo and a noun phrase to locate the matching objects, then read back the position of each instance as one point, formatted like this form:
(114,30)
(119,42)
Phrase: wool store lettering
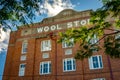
(77,23)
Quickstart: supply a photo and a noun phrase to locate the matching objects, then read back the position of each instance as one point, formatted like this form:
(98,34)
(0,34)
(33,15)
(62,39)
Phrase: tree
(18,12)
(90,36)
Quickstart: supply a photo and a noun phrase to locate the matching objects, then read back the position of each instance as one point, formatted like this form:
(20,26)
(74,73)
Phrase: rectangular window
(45,55)
(23,58)
(98,79)
(94,39)
(24,47)
(22,70)
(69,64)
(68,51)
(117,36)
(95,62)
(68,44)
(46,45)
(45,67)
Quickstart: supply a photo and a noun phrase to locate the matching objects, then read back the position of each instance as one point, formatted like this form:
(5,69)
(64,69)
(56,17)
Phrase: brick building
(34,54)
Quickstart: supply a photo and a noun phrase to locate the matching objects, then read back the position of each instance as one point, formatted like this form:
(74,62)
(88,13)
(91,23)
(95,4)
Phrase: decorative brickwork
(58,62)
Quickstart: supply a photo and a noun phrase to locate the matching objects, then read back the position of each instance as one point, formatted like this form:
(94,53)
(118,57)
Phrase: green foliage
(105,18)
(112,46)
(13,12)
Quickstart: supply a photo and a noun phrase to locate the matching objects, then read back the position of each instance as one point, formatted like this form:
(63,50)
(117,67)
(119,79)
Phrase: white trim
(99,63)
(98,79)
(45,55)
(117,36)
(94,39)
(65,44)
(22,70)
(48,67)
(72,64)
(24,45)
(23,57)
(68,51)
(46,45)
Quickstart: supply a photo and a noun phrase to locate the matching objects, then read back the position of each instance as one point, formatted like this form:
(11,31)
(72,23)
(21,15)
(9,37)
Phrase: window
(94,39)
(68,51)
(46,45)
(117,36)
(45,67)
(22,70)
(95,62)
(45,55)
(69,64)
(24,47)
(99,79)
(94,48)
(66,44)
(23,57)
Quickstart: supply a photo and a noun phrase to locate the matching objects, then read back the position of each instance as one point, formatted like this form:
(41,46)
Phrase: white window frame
(68,51)
(94,39)
(46,45)
(65,65)
(24,47)
(98,79)
(100,63)
(23,57)
(42,67)
(45,55)
(66,45)
(117,36)
(22,70)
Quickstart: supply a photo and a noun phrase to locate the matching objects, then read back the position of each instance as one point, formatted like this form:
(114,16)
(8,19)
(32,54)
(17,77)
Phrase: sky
(49,8)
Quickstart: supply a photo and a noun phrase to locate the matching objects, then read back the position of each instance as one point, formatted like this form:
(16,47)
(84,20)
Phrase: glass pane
(64,65)
(69,65)
(24,47)
(100,59)
(41,68)
(95,62)
(68,51)
(49,67)
(23,57)
(74,64)
(68,44)
(45,68)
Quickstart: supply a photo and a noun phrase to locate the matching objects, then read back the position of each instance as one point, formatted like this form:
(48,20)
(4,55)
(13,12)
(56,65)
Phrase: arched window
(24,46)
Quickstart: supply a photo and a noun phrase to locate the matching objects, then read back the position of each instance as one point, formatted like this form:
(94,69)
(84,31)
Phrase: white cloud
(49,7)
(53,7)
(4,38)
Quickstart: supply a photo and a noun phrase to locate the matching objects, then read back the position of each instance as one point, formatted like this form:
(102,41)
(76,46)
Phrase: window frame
(24,46)
(98,79)
(65,65)
(49,45)
(100,63)
(23,57)
(22,71)
(94,39)
(49,67)
(66,45)
(68,51)
(117,36)
(45,55)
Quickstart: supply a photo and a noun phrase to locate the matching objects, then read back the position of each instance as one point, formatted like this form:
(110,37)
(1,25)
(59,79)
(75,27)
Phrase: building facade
(34,54)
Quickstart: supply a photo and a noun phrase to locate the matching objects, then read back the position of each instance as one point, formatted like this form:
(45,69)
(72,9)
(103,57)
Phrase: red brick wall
(34,57)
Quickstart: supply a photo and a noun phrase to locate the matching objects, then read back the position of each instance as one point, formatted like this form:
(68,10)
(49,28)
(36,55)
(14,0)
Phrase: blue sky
(86,4)
(49,10)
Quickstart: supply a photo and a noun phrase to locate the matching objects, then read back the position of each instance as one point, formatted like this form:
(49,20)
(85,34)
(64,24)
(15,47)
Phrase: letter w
(40,30)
